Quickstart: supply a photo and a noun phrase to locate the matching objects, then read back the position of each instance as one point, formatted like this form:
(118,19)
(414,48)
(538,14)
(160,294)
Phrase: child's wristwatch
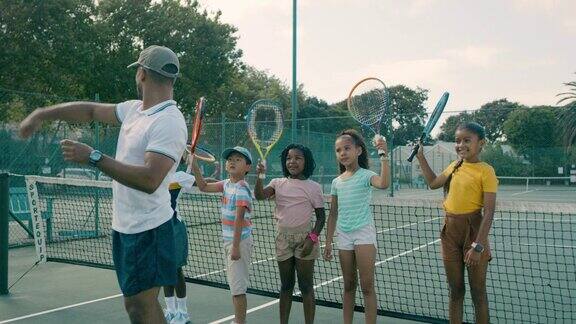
(313,237)
(477,247)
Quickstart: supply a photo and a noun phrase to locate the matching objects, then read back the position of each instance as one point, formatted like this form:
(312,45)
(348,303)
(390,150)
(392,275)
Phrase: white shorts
(238,271)
(361,236)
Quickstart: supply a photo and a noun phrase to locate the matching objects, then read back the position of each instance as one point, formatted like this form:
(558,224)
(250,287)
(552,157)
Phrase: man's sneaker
(180,318)
(168,316)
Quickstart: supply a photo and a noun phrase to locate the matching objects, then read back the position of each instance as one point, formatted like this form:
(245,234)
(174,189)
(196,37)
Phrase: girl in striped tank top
(351,217)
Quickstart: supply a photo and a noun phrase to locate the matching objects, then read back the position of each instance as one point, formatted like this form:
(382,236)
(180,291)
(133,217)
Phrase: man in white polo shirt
(152,140)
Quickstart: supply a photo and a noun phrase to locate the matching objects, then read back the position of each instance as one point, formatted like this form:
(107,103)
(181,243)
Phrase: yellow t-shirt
(468,185)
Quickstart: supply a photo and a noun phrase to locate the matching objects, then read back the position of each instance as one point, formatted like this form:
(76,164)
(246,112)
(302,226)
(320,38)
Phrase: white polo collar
(157,108)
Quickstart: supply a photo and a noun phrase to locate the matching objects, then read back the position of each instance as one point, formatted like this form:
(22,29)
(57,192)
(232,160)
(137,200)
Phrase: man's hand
(75,151)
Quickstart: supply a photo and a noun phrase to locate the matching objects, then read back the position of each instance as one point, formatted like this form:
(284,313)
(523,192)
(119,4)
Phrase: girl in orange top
(469,188)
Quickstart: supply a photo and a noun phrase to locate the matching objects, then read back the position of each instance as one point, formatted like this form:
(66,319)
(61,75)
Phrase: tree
(491,115)
(404,115)
(448,128)
(533,133)
(567,114)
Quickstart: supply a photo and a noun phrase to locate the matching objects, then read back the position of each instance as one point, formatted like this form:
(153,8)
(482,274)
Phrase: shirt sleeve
(168,137)
(272,184)
(317,197)
(333,189)
(489,180)
(185,180)
(449,169)
(243,196)
(123,109)
(220,185)
(368,174)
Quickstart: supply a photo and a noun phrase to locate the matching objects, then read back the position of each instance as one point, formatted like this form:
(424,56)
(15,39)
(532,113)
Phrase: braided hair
(474,128)
(358,141)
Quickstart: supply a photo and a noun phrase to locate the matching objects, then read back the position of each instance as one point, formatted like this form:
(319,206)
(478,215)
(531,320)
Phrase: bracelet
(313,237)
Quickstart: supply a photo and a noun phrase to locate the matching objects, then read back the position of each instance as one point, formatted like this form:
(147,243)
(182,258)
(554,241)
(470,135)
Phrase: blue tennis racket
(431,123)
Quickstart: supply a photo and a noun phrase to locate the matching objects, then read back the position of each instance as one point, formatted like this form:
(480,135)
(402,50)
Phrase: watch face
(95,156)
(478,248)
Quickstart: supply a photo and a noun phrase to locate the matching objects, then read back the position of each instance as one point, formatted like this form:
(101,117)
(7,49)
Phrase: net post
(4,233)
(294,82)
(222,144)
(97,147)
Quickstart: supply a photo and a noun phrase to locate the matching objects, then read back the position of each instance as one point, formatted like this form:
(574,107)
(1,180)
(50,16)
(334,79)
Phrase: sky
(479,51)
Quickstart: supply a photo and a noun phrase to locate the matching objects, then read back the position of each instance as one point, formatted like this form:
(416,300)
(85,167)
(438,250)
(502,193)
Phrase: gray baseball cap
(238,149)
(159,59)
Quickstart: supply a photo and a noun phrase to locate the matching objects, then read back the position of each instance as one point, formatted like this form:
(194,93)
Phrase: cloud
(482,56)
(547,6)
(419,7)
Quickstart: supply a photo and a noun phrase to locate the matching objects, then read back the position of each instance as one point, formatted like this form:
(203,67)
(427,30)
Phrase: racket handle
(262,175)
(381,152)
(414,152)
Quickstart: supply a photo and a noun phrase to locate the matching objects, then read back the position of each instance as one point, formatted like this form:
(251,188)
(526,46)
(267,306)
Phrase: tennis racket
(431,123)
(200,153)
(265,125)
(367,103)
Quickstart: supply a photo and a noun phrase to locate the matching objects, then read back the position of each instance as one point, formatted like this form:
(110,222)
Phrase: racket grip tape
(414,152)
(263,174)
(381,153)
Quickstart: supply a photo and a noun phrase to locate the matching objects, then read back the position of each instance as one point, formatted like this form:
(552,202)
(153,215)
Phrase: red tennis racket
(201,154)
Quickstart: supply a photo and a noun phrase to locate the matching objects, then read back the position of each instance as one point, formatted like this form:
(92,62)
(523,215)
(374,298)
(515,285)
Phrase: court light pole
(294,83)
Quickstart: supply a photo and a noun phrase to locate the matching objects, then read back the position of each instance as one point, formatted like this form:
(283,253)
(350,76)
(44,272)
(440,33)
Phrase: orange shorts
(457,235)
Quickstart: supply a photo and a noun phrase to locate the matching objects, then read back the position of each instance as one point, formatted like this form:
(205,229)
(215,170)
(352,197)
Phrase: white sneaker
(169,316)
(180,318)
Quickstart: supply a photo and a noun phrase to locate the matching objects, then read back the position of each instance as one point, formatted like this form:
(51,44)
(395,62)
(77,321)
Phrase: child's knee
(350,284)
(457,291)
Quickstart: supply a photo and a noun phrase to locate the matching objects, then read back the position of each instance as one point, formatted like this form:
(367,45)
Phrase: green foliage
(504,163)
(404,115)
(567,114)
(491,115)
(448,128)
(531,128)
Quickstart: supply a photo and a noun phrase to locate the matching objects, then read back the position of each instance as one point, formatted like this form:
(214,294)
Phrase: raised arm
(146,178)
(79,111)
(202,184)
(433,181)
(382,181)
(260,192)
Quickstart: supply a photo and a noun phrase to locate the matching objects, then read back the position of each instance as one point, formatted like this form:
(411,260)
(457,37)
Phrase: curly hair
(309,163)
(358,141)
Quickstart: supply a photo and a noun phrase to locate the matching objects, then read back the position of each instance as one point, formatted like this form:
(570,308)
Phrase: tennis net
(532,278)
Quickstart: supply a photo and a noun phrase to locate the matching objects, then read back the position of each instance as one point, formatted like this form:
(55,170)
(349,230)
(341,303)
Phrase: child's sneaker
(180,318)
(168,316)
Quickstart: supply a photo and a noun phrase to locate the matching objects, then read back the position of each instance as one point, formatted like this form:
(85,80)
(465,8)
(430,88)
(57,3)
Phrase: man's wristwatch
(95,157)
(477,247)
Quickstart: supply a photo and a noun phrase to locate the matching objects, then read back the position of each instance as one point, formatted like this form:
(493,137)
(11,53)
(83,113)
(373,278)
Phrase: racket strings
(265,124)
(368,102)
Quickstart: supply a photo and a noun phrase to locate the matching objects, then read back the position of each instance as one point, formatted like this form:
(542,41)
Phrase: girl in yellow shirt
(469,188)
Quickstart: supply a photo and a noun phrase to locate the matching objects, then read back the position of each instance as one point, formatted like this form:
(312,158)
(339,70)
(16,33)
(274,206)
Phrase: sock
(181,305)
(170,304)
